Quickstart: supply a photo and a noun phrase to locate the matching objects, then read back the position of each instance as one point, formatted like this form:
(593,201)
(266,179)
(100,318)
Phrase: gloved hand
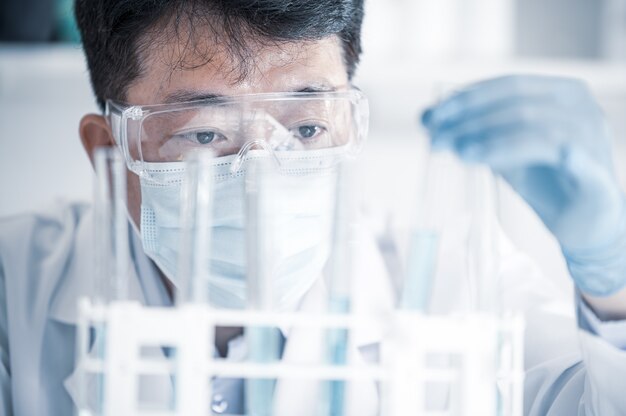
(547,138)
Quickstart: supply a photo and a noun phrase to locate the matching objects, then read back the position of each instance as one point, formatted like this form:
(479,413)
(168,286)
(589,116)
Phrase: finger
(601,193)
(553,125)
(510,146)
(496,91)
(443,133)
(576,187)
(534,115)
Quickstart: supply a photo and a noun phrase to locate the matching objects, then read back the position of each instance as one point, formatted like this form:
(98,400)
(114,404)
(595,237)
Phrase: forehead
(176,69)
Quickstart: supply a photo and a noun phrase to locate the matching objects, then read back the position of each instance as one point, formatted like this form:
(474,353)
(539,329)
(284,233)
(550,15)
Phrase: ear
(95,132)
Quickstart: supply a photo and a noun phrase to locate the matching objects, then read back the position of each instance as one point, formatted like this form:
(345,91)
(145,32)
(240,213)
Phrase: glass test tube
(111,227)
(432,211)
(263,342)
(483,263)
(340,281)
(196,218)
(453,193)
(482,240)
(479,187)
(259,176)
(112,262)
(193,267)
(482,260)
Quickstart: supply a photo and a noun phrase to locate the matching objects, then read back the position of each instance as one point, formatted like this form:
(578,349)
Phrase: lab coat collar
(77,281)
(373,293)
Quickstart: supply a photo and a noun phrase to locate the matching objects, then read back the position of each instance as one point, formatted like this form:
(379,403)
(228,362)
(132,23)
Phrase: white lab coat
(46,263)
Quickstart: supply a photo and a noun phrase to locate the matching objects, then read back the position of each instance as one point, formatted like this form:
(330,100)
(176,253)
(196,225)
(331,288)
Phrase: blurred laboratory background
(415,50)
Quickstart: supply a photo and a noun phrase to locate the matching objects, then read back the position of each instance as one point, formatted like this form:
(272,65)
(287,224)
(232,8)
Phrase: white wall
(43,94)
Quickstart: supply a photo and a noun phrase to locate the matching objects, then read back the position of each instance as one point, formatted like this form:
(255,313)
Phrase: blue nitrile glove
(548,139)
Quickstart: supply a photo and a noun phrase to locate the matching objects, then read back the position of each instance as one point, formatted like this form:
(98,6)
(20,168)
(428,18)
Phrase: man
(544,136)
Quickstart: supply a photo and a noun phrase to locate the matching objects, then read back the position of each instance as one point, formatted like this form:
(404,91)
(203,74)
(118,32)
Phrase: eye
(202,137)
(307,132)
(205,137)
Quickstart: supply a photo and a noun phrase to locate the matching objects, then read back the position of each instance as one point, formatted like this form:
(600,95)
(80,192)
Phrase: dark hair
(115,33)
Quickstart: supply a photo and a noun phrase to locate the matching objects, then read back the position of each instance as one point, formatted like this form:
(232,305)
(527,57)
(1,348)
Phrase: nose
(261,132)
(239,160)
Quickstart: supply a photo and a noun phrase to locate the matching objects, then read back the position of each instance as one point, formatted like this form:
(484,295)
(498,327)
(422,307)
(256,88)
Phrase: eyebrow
(181,96)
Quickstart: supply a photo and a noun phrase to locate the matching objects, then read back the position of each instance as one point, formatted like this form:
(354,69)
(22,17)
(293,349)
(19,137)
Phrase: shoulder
(555,387)
(42,225)
(28,239)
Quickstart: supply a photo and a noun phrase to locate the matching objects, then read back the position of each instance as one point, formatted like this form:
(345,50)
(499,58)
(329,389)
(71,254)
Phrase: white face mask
(302,212)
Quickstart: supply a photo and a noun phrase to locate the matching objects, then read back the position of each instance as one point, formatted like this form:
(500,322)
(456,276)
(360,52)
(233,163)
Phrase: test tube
(111,227)
(479,187)
(259,175)
(482,254)
(111,259)
(340,280)
(483,261)
(344,224)
(433,209)
(193,267)
(196,217)
(263,342)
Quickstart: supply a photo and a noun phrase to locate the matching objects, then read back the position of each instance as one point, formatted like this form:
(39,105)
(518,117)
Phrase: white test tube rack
(489,352)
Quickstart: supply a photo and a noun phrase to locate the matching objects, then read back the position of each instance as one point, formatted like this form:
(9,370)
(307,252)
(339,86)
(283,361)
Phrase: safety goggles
(275,122)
